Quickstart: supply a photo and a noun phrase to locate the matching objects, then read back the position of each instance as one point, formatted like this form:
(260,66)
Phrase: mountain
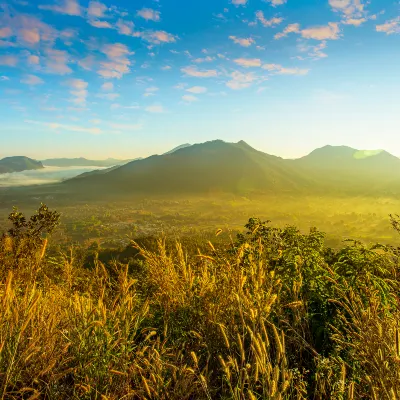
(182,146)
(209,167)
(343,157)
(83,162)
(18,164)
(342,168)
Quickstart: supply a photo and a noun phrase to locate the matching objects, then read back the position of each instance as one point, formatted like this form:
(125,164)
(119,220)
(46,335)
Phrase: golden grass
(200,326)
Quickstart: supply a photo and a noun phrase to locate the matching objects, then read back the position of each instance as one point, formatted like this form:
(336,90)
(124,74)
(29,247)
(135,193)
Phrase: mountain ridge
(18,164)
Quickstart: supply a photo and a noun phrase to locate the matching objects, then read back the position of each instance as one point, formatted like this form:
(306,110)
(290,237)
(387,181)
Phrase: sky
(128,79)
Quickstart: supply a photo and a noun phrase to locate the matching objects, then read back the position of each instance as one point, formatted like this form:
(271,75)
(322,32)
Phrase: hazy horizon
(115,79)
(75,156)
(42,176)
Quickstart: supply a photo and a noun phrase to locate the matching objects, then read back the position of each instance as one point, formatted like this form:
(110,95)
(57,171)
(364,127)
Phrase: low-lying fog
(42,176)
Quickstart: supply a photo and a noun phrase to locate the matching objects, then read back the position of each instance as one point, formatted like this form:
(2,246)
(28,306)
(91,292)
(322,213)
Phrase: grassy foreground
(273,314)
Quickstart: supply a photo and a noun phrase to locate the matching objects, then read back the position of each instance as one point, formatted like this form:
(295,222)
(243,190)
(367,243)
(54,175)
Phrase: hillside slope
(209,167)
(18,164)
(342,168)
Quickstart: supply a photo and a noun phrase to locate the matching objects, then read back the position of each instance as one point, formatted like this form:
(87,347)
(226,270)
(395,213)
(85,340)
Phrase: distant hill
(18,164)
(209,167)
(348,169)
(83,162)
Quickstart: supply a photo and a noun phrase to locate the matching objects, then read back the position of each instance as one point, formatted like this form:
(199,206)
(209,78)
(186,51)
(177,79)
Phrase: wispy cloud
(292,28)
(57,62)
(68,7)
(149,14)
(241,80)
(9,60)
(327,32)
(118,63)
(125,27)
(275,3)
(197,89)
(239,2)
(278,69)
(155,109)
(100,24)
(203,59)
(322,32)
(268,22)
(71,128)
(245,42)
(78,91)
(189,98)
(313,52)
(32,80)
(150,91)
(108,96)
(248,62)
(353,11)
(390,27)
(156,37)
(127,127)
(97,9)
(107,86)
(193,71)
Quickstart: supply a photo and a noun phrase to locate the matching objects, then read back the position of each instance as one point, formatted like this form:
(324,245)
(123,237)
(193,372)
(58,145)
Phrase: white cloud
(125,27)
(197,89)
(390,27)
(292,28)
(32,80)
(118,63)
(268,22)
(108,96)
(100,24)
(248,62)
(57,62)
(189,98)
(69,7)
(204,59)
(278,69)
(275,3)
(166,67)
(9,61)
(97,9)
(156,37)
(245,42)
(193,71)
(315,52)
(5,32)
(78,91)
(239,2)
(240,80)
(156,109)
(71,128)
(327,32)
(149,14)
(87,63)
(107,86)
(33,60)
(353,11)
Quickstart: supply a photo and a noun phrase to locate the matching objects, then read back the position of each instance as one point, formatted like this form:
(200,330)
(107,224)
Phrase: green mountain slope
(18,164)
(345,169)
(209,167)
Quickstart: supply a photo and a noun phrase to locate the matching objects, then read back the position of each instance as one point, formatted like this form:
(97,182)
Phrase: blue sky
(133,78)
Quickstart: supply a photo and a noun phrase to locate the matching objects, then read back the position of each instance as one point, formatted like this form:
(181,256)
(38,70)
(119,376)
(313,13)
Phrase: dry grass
(273,318)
